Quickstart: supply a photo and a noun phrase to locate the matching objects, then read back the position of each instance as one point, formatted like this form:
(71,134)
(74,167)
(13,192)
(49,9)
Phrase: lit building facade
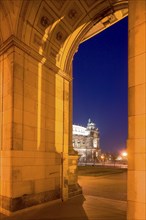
(86,141)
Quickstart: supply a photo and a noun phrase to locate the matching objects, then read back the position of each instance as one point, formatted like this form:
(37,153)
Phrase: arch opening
(98,88)
(45,35)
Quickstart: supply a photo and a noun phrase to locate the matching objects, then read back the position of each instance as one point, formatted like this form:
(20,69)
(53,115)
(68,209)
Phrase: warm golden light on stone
(36,52)
(39,105)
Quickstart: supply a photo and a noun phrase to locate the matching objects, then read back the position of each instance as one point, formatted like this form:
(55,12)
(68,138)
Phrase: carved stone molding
(44,21)
(72,13)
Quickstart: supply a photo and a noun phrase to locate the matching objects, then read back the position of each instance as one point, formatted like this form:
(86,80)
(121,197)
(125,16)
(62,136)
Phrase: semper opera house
(86,141)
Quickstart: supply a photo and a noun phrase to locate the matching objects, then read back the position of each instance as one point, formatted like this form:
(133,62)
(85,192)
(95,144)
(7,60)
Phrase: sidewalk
(78,208)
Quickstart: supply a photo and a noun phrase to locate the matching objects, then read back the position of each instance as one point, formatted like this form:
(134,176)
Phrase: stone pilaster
(71,151)
(34,130)
(74,188)
(6,122)
(137,111)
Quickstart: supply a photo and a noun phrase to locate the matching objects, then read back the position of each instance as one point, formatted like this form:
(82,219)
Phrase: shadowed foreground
(103,199)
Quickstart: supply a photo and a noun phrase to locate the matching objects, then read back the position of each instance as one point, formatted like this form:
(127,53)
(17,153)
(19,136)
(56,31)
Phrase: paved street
(103,199)
(108,186)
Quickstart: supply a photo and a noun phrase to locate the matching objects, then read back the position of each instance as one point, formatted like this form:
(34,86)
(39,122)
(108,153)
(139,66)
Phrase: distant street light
(102,157)
(124,154)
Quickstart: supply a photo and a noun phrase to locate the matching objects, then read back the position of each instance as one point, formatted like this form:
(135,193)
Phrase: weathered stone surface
(25,201)
(74,190)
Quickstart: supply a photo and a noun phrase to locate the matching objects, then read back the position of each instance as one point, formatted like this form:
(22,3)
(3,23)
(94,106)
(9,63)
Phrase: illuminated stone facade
(38,40)
(86,141)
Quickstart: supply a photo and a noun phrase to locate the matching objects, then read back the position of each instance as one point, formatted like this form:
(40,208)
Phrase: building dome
(91,125)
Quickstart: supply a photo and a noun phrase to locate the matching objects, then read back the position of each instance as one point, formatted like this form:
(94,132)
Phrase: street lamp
(124,154)
(102,158)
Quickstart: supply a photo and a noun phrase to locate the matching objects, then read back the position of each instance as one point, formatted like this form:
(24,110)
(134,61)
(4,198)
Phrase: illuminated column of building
(62,130)
(30,152)
(71,151)
(70,167)
(6,122)
(137,111)
(65,138)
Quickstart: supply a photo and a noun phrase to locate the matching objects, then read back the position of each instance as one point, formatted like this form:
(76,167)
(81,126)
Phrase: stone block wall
(34,130)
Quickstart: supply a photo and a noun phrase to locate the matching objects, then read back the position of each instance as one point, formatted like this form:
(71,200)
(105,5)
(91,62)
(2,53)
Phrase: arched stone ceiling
(55,28)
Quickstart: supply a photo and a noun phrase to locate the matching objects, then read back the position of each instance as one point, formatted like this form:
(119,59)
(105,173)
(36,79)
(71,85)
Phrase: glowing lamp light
(102,157)
(124,154)
(119,158)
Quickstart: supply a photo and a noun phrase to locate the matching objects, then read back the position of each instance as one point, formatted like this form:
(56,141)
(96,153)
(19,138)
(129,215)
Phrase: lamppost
(102,158)
(124,155)
(86,155)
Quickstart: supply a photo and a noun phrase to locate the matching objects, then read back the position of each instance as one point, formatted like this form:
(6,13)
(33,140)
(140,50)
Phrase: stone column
(74,188)
(31,130)
(70,119)
(137,111)
(62,130)
(6,124)
(71,150)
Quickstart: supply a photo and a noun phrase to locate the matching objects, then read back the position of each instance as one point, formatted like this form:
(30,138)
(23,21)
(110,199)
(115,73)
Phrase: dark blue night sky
(100,85)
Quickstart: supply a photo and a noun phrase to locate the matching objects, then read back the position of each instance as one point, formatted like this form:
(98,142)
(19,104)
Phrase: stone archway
(38,40)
